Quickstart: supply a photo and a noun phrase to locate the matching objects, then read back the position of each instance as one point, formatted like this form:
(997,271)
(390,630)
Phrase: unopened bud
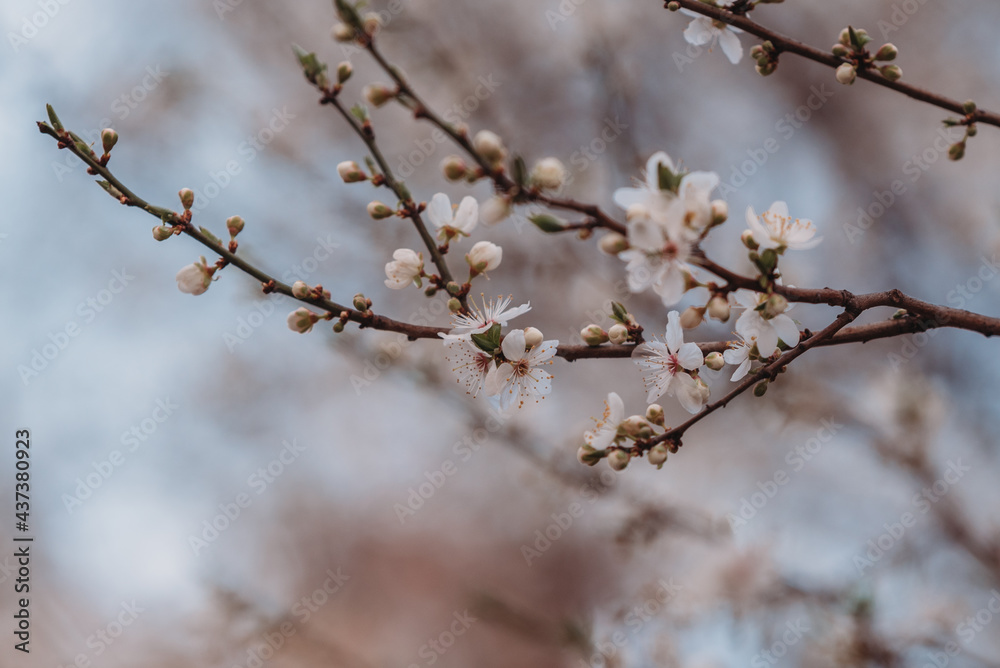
(235,225)
(618,459)
(548,174)
(360,303)
(338,327)
(454,168)
(162,233)
(300,290)
(654,413)
(371,23)
(532,337)
(378,211)
(891,72)
(636,426)
(342,32)
(845,37)
(344,72)
(766,69)
(301,320)
(454,305)
(108,139)
(714,361)
(618,334)
(692,317)
(494,210)
(956,151)
(378,94)
(613,243)
(774,306)
(887,52)
(718,308)
(720,211)
(760,388)
(489,145)
(658,455)
(588,455)
(748,240)
(846,74)
(351,172)
(969,107)
(841,51)
(593,335)
(673,6)
(704,391)
(187,198)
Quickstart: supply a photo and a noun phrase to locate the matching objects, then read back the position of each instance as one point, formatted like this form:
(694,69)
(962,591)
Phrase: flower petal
(731,46)
(786,330)
(675,335)
(513,345)
(439,210)
(686,390)
(690,356)
(467,215)
(700,31)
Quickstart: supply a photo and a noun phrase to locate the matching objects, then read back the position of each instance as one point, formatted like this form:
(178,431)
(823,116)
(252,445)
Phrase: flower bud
(588,455)
(760,388)
(618,334)
(658,455)
(654,413)
(371,23)
(342,32)
(344,71)
(454,168)
(454,305)
(766,68)
(301,320)
(532,337)
(548,174)
(887,52)
(846,74)
(774,306)
(673,6)
(378,211)
(187,198)
(484,256)
(618,459)
(636,426)
(300,290)
(969,106)
(891,72)
(195,278)
(956,151)
(593,335)
(714,361)
(841,51)
(845,37)
(494,210)
(720,211)
(162,233)
(235,225)
(704,390)
(351,172)
(360,303)
(718,308)
(378,94)
(613,243)
(108,139)
(748,240)
(489,145)
(692,317)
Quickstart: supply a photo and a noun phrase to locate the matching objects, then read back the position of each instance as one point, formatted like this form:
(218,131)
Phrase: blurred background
(211,489)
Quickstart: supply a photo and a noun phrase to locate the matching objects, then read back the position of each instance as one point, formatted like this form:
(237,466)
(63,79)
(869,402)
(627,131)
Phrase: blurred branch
(785,44)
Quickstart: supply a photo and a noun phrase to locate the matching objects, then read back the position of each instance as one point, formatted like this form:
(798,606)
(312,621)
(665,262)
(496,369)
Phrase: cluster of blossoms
(609,437)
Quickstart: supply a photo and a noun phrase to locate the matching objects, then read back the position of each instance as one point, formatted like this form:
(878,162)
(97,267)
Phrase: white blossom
(484,256)
(548,173)
(301,320)
(452,223)
(519,378)
(738,355)
(703,30)
(406,268)
(195,278)
(776,229)
(753,323)
(480,319)
(604,432)
(470,364)
(666,367)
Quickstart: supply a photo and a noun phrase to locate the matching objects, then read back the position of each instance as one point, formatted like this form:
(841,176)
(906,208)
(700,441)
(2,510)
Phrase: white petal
(467,215)
(779,208)
(675,336)
(690,356)
(542,352)
(513,345)
(670,283)
(496,379)
(686,390)
(700,31)
(786,330)
(616,406)
(767,340)
(439,210)
(626,197)
(731,46)
(653,169)
(741,371)
(646,234)
(699,183)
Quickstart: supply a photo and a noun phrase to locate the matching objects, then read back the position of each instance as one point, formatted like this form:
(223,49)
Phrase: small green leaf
(53,119)
(110,189)
(211,237)
(619,313)
(548,223)
(519,171)
(360,112)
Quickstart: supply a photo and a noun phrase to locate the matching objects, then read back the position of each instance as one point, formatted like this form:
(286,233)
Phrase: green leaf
(312,68)
(360,112)
(548,223)
(110,189)
(53,119)
(348,13)
(211,237)
(619,313)
(519,171)
(668,179)
(488,341)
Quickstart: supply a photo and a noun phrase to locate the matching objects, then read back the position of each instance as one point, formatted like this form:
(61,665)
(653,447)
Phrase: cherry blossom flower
(471,365)
(657,257)
(738,355)
(407,267)
(776,229)
(703,30)
(666,367)
(519,378)
(452,223)
(195,278)
(484,256)
(606,429)
(480,319)
(301,320)
(756,323)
